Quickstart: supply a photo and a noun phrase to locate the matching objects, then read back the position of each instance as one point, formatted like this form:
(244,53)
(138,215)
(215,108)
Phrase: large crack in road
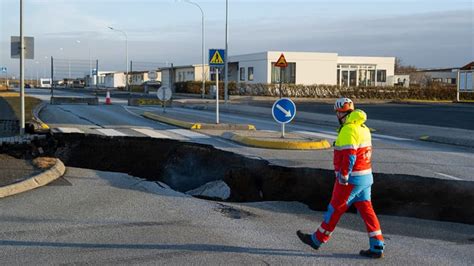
(185,166)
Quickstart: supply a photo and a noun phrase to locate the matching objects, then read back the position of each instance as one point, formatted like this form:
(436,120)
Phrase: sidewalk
(244,134)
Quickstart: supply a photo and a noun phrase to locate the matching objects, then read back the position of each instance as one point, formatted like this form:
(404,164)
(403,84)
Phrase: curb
(194,126)
(42,126)
(172,121)
(39,180)
(284,145)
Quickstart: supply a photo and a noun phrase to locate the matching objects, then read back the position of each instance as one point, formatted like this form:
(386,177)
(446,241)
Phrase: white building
(183,73)
(114,80)
(97,79)
(309,68)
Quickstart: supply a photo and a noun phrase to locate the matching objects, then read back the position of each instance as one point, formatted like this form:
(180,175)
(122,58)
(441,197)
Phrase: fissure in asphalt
(185,166)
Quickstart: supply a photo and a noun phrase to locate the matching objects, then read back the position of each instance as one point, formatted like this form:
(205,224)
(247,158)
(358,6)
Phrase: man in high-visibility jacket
(353,171)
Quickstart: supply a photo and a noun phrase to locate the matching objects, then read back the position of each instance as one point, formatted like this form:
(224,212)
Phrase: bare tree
(400,69)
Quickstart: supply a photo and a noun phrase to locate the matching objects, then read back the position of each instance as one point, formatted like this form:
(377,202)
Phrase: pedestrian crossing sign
(216,57)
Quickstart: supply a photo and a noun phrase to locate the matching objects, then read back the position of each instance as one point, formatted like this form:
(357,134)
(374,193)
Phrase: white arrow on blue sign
(284,110)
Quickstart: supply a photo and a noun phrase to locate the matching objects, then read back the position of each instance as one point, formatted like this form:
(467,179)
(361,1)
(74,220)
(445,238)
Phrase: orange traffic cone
(107,98)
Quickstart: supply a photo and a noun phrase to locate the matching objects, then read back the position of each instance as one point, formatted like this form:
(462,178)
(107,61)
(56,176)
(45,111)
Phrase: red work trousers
(342,198)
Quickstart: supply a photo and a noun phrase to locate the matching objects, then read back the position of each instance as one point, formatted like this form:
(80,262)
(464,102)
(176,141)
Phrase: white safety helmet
(344,105)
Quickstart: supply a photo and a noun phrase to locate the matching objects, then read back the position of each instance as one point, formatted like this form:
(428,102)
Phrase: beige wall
(198,72)
(311,68)
(259,63)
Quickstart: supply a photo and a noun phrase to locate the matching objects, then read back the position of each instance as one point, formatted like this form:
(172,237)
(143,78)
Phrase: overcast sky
(424,33)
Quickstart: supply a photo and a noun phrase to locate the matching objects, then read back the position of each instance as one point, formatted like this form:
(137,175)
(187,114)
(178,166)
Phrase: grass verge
(13,99)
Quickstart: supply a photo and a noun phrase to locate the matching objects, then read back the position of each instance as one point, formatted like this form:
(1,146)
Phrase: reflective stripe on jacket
(353,150)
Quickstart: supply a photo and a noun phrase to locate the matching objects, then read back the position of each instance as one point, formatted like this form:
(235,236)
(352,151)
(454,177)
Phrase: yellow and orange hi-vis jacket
(353,150)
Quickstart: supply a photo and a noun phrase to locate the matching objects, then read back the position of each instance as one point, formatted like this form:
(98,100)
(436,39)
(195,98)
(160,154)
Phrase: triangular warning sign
(217,58)
(281,62)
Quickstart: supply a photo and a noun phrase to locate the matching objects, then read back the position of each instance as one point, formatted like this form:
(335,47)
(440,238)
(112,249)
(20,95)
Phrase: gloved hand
(343,180)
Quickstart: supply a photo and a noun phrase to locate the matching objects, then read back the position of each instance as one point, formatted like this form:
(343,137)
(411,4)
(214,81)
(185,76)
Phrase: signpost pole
(164,102)
(283,111)
(217,95)
(281,76)
(22,74)
(458,81)
(52,79)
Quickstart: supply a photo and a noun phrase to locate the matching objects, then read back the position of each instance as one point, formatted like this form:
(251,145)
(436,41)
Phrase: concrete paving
(93,217)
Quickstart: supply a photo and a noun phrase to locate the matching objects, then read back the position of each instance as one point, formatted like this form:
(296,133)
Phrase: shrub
(434,91)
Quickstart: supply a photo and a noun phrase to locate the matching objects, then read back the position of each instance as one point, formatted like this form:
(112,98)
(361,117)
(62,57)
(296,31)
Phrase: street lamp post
(126,55)
(226,73)
(22,74)
(90,63)
(203,76)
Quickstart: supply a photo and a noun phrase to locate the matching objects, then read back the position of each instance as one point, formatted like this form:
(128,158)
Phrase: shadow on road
(183,247)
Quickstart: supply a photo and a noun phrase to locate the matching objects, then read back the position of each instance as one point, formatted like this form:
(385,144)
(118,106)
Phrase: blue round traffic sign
(284,110)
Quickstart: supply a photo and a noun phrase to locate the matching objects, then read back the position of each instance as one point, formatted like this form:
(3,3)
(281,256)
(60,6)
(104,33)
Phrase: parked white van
(45,83)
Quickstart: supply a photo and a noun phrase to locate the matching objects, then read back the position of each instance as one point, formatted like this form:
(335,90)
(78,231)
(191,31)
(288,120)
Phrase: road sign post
(217,95)
(283,111)
(164,94)
(282,64)
(216,60)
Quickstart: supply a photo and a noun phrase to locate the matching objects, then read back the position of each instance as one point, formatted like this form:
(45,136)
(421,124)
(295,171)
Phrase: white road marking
(152,133)
(188,133)
(448,176)
(390,137)
(130,112)
(110,132)
(316,134)
(69,130)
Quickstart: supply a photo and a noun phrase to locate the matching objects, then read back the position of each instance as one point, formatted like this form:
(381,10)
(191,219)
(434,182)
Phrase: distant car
(27,86)
(78,84)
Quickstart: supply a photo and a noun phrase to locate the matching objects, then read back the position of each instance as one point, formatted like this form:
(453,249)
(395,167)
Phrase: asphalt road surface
(101,218)
(436,114)
(391,154)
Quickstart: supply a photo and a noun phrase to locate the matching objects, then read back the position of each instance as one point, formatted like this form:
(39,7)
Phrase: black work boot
(370,254)
(306,238)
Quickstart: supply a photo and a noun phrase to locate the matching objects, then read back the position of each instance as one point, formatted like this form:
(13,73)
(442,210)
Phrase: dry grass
(13,99)
(44,162)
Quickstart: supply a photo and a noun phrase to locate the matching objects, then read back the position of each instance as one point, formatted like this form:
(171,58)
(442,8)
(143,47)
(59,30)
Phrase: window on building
(381,75)
(250,73)
(289,73)
(242,74)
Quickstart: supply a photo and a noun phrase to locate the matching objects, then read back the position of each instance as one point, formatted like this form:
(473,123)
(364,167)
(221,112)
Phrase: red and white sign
(281,62)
